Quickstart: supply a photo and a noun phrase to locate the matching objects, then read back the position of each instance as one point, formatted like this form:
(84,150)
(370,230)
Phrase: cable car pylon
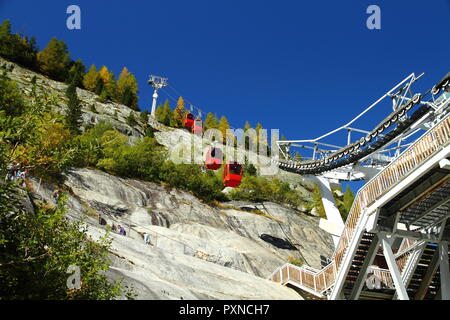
(157,83)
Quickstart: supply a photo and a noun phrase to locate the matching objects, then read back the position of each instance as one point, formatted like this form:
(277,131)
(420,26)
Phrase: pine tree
(126,97)
(143,116)
(73,116)
(105,75)
(16,48)
(223,127)
(127,89)
(6,47)
(211,121)
(258,128)
(131,120)
(76,73)
(90,79)
(179,113)
(247,139)
(54,59)
(109,88)
(99,87)
(259,134)
(167,114)
(159,113)
(298,156)
(349,197)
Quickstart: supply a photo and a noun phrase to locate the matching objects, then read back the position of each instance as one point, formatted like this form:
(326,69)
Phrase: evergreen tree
(258,128)
(144,116)
(16,48)
(126,97)
(131,120)
(73,116)
(349,197)
(223,127)
(76,73)
(259,134)
(159,113)
(127,89)
(298,156)
(90,79)
(6,40)
(99,88)
(247,139)
(247,126)
(109,88)
(211,121)
(179,113)
(250,169)
(167,114)
(54,60)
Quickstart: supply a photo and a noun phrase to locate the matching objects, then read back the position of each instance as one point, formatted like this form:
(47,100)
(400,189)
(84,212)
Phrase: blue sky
(303,67)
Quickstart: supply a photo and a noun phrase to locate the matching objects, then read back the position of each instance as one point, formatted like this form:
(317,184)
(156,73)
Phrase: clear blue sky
(303,67)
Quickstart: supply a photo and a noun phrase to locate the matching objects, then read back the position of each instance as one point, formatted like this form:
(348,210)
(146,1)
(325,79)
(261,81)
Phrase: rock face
(197,251)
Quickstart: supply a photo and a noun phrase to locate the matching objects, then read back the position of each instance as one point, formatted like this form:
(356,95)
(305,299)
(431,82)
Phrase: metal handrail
(421,150)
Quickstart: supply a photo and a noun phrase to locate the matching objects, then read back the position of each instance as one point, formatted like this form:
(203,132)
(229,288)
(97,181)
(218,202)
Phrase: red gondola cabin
(214,159)
(197,128)
(232,175)
(189,120)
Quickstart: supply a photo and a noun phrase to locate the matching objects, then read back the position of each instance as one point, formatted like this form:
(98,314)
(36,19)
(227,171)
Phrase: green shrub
(258,189)
(316,202)
(296,261)
(131,120)
(37,250)
(144,116)
(11,98)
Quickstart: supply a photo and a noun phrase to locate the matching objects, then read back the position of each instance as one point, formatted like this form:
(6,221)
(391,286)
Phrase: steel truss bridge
(394,243)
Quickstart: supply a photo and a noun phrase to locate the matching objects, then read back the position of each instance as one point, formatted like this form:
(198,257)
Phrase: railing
(431,142)
(384,275)
(406,245)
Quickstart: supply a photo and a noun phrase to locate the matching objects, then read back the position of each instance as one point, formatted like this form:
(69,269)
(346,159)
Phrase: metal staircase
(409,199)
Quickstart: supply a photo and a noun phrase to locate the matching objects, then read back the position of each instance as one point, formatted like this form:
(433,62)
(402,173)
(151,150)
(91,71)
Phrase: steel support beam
(428,277)
(336,293)
(430,210)
(359,284)
(444,271)
(395,273)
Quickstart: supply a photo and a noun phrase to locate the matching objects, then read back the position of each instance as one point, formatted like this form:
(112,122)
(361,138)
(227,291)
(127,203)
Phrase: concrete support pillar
(331,210)
(155,98)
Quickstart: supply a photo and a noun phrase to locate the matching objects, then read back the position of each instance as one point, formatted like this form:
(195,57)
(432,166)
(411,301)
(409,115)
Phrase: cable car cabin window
(235,169)
(216,153)
(189,120)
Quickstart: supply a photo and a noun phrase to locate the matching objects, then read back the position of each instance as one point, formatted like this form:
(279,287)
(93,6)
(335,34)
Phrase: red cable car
(232,175)
(213,158)
(197,127)
(188,121)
